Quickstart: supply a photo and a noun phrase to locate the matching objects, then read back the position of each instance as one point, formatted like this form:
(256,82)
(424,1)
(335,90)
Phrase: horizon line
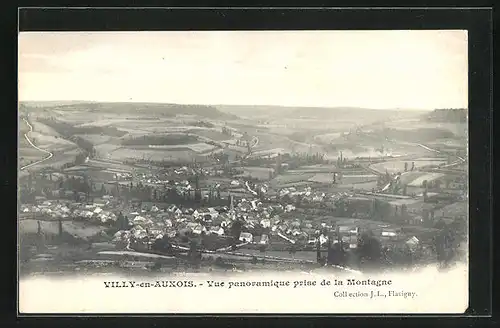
(236,105)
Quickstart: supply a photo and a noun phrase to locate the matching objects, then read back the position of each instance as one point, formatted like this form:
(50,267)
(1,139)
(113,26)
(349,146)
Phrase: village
(216,209)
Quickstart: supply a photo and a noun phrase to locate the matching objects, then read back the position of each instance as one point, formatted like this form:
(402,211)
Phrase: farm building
(246,237)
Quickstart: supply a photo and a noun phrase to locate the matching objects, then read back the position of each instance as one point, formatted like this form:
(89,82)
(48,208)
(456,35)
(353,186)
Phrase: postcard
(243,172)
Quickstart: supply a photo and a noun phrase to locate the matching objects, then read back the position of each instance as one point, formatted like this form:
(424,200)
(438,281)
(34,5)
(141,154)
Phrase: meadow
(398,166)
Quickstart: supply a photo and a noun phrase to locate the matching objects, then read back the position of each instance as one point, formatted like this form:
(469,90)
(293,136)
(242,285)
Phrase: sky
(369,69)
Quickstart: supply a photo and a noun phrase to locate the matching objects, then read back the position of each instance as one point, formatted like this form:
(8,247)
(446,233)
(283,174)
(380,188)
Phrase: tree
(162,244)
(235,229)
(369,249)
(103,189)
(341,207)
(437,184)
(122,222)
(404,210)
(60,227)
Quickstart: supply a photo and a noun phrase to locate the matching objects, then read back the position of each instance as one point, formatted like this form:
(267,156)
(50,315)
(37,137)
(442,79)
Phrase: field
(212,134)
(284,144)
(95,139)
(107,165)
(170,139)
(122,154)
(346,179)
(27,153)
(44,129)
(51,143)
(291,179)
(111,121)
(105,150)
(320,168)
(322,174)
(328,137)
(322,178)
(44,137)
(276,129)
(458,129)
(150,122)
(427,176)
(78,229)
(94,173)
(408,177)
(261,173)
(365,186)
(398,166)
(195,147)
(268,152)
(449,143)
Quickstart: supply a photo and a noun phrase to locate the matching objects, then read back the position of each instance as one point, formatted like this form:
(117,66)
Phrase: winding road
(253,192)
(49,154)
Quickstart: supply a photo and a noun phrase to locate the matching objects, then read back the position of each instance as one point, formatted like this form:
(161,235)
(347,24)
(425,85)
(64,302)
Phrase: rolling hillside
(447,115)
(155,109)
(333,113)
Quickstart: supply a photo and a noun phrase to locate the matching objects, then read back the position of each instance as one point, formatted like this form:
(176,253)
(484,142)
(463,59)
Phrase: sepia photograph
(243,171)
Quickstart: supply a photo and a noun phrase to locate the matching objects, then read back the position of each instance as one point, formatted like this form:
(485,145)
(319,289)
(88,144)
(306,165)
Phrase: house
(172,208)
(40,199)
(390,233)
(323,239)
(142,220)
(216,230)
(198,229)
(312,241)
(245,206)
(413,243)
(264,240)
(246,237)
(225,223)
(265,223)
(206,215)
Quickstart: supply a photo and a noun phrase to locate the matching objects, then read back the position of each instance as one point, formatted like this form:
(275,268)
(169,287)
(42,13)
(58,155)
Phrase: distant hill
(350,112)
(447,115)
(330,113)
(159,109)
(42,104)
